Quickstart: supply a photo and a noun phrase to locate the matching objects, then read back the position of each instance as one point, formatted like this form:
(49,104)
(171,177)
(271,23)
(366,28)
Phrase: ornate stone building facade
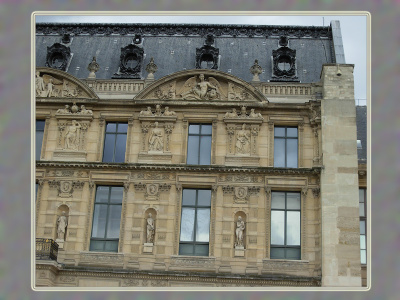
(196,156)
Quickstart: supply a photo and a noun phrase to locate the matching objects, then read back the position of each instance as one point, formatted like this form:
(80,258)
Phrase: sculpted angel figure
(240,226)
(156,142)
(243,141)
(203,90)
(72,136)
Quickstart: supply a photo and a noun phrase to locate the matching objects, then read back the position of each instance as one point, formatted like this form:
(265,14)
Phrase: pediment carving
(52,83)
(201,85)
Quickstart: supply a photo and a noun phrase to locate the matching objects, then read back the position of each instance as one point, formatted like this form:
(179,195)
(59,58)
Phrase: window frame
(196,207)
(286,138)
(363,219)
(199,143)
(108,203)
(285,210)
(36,131)
(115,134)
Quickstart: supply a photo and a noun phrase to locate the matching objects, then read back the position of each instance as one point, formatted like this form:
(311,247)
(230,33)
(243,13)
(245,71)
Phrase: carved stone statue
(72,136)
(156,141)
(65,110)
(232,114)
(167,112)
(93,67)
(243,113)
(203,90)
(85,111)
(150,229)
(62,223)
(256,70)
(147,112)
(49,91)
(243,141)
(158,110)
(240,226)
(40,86)
(254,115)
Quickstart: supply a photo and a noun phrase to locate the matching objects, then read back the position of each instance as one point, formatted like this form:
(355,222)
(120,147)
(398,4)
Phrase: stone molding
(185,29)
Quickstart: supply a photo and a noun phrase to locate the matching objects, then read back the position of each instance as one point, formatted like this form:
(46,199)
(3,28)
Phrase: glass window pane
(189,197)
(362,210)
(203,225)
(204,197)
(293,228)
(206,129)
(279,131)
(362,242)
(96,245)
(111,246)
(114,221)
(116,195)
(293,253)
(205,150)
(40,125)
(277,227)
(291,132)
(122,127)
(120,148)
(187,225)
(193,150)
(363,256)
(277,253)
(279,153)
(195,129)
(39,141)
(186,249)
(99,220)
(293,200)
(201,250)
(361,195)
(362,227)
(109,143)
(278,200)
(102,194)
(291,153)
(111,127)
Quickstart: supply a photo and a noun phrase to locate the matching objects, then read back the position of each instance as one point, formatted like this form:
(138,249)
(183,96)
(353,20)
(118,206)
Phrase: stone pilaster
(339,179)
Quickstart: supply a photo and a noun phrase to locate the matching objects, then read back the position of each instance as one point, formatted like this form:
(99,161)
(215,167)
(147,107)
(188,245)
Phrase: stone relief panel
(53,86)
(152,190)
(202,85)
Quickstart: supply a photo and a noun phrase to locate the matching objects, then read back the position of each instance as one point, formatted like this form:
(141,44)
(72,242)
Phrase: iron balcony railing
(46,249)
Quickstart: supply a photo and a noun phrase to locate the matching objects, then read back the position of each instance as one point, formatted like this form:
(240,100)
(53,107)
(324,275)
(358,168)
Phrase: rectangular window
(285,147)
(363,224)
(106,219)
(39,137)
(115,142)
(285,225)
(199,144)
(195,222)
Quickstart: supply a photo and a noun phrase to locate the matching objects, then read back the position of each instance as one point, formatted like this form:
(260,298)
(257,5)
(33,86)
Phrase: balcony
(46,249)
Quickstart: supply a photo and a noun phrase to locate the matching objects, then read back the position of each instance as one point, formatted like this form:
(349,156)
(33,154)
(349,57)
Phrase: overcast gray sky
(353,28)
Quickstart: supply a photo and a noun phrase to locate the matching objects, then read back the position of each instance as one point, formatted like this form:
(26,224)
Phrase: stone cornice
(184,30)
(178,168)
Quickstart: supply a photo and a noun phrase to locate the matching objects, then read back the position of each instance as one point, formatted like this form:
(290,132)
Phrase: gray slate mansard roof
(173,47)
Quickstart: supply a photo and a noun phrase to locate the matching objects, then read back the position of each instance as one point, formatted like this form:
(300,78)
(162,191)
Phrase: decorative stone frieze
(97,258)
(193,261)
(297,267)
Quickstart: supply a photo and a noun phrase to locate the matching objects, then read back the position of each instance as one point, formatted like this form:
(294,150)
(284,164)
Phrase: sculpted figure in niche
(150,229)
(240,226)
(167,112)
(62,223)
(156,142)
(72,136)
(202,90)
(243,141)
(64,110)
(147,112)
(40,86)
